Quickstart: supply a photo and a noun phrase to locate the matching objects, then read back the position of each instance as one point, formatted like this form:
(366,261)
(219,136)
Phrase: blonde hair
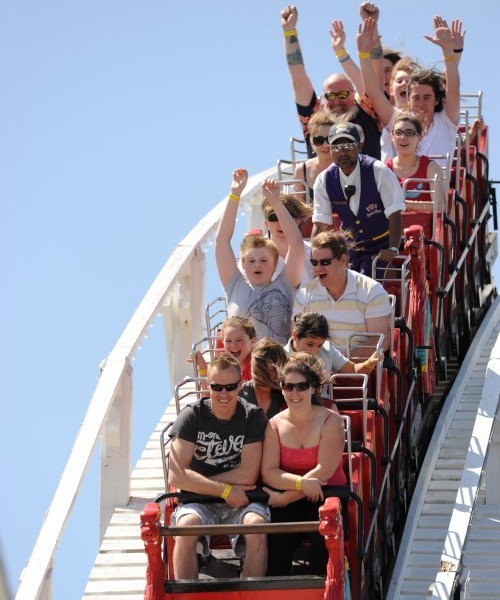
(251,242)
(266,351)
(297,208)
(319,118)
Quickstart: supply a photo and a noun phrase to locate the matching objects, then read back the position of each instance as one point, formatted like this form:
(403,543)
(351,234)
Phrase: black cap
(344,130)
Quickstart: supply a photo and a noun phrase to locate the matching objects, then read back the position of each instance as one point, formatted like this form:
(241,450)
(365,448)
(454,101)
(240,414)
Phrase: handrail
(113,395)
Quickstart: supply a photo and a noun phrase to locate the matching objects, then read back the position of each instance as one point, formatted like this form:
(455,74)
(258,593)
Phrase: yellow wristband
(227,491)
(364,55)
(289,32)
(234,198)
(366,365)
(449,58)
(298,484)
(202,372)
(341,53)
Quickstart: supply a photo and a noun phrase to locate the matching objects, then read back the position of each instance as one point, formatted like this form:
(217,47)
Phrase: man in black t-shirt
(216,450)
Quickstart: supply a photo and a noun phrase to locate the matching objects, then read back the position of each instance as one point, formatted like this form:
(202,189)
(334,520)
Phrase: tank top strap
(275,427)
(323,424)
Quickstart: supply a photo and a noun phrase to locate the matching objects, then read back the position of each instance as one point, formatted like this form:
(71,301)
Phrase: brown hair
(297,208)
(432,78)
(250,242)
(241,323)
(334,240)
(408,65)
(224,361)
(311,368)
(412,118)
(267,350)
(319,118)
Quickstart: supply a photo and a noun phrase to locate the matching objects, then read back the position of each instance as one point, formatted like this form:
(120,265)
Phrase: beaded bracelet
(227,491)
(234,198)
(364,55)
(289,32)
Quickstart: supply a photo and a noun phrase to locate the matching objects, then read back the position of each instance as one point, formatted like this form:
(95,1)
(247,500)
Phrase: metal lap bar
(209,345)
(219,314)
(361,389)
(357,341)
(425,205)
(239,529)
(298,147)
(194,392)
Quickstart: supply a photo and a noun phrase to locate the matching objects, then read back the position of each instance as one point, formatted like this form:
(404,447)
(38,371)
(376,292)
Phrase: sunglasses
(273,217)
(404,132)
(302,386)
(340,95)
(338,147)
(319,140)
(324,262)
(229,387)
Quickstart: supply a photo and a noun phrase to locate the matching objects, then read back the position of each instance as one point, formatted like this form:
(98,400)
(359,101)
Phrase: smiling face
(422,101)
(297,399)
(237,343)
(346,158)
(223,403)
(259,266)
(405,138)
(320,132)
(338,83)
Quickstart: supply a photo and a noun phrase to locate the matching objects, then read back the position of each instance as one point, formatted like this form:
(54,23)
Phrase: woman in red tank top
(407,164)
(302,452)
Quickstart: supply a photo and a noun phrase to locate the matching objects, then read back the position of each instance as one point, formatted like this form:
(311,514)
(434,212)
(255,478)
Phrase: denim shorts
(220,513)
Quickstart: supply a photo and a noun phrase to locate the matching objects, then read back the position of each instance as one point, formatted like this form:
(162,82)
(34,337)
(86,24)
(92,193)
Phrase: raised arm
(302,86)
(224,255)
(381,104)
(351,69)
(443,38)
(295,256)
(458,37)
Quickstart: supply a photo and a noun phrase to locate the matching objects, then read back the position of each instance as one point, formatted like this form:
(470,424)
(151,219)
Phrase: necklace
(219,418)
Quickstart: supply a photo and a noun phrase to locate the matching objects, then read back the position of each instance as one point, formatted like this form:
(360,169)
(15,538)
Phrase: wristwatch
(394,249)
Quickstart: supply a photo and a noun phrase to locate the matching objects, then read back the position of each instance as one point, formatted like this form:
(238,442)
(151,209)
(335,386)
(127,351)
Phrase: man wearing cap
(338,95)
(365,194)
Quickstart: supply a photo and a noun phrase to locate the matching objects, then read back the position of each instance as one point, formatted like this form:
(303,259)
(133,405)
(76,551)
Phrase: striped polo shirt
(363,298)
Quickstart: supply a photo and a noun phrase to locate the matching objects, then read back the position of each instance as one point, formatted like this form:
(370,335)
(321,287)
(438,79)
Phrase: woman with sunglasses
(303,449)
(307,171)
(263,389)
(301,213)
(408,164)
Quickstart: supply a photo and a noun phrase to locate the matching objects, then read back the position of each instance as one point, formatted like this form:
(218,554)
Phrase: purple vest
(369,229)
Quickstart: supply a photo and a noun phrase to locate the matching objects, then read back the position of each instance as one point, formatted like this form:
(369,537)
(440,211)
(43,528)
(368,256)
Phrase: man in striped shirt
(351,302)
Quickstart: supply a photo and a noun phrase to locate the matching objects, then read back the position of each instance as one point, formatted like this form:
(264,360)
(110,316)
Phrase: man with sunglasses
(216,451)
(351,302)
(365,194)
(338,92)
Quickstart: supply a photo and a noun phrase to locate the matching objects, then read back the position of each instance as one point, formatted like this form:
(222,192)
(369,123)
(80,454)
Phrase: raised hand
(365,35)
(442,35)
(457,34)
(337,35)
(368,9)
(271,190)
(240,178)
(289,17)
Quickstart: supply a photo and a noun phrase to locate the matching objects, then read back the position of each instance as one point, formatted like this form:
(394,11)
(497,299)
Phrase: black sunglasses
(273,217)
(404,132)
(302,386)
(319,140)
(229,387)
(324,262)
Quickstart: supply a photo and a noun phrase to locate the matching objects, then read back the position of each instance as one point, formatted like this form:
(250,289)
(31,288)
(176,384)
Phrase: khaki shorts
(220,513)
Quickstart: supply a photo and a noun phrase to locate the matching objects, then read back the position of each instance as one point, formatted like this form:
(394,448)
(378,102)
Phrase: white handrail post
(183,316)
(116,438)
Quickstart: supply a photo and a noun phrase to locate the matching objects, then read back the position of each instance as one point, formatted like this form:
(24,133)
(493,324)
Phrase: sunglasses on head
(404,132)
(319,140)
(324,262)
(347,146)
(273,217)
(229,387)
(302,386)
(340,95)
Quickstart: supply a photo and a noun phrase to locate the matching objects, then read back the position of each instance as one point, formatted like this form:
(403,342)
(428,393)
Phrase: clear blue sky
(121,123)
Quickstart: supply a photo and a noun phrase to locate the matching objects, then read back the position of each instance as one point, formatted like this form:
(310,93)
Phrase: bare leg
(185,559)
(255,563)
